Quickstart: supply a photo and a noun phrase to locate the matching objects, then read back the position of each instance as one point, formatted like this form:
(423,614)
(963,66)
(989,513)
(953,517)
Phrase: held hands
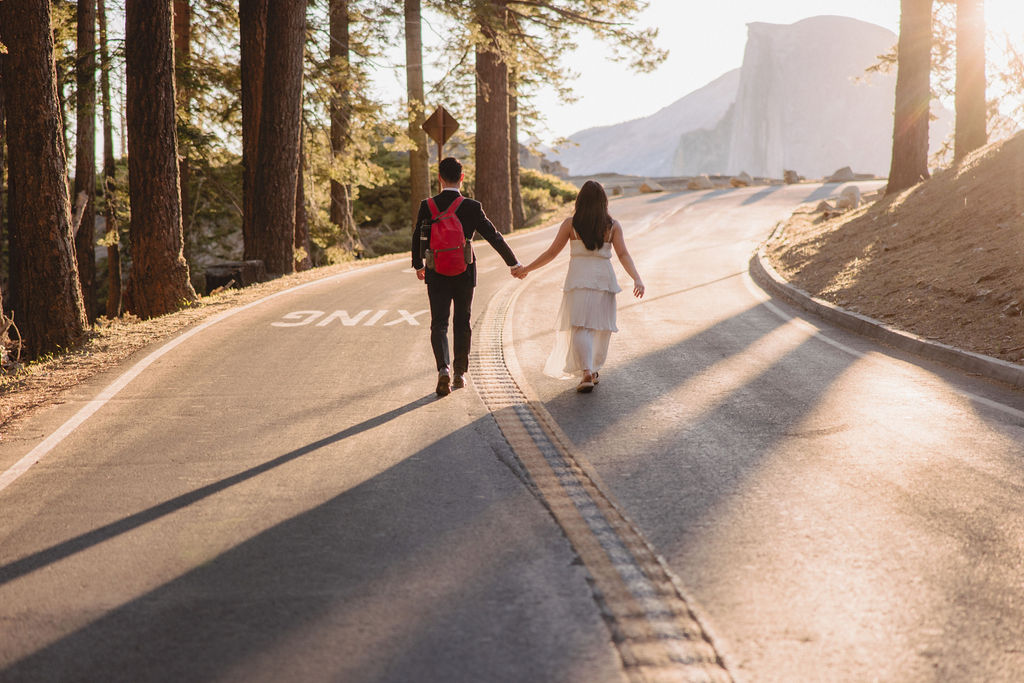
(638,289)
(518,271)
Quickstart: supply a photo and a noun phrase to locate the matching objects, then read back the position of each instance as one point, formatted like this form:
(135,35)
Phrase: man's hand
(518,271)
(421,273)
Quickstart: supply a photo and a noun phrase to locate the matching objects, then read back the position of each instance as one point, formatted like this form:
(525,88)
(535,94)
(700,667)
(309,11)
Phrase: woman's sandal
(596,381)
(586,385)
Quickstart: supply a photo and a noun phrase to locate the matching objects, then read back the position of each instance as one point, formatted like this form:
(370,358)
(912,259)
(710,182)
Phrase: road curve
(835,510)
(280,495)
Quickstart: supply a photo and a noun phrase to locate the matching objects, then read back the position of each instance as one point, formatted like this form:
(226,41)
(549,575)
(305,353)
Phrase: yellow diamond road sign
(440,126)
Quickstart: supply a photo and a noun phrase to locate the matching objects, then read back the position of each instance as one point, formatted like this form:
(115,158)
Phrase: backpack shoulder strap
(432,205)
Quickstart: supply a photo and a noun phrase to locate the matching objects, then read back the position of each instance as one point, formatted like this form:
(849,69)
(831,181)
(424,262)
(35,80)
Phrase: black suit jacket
(471,214)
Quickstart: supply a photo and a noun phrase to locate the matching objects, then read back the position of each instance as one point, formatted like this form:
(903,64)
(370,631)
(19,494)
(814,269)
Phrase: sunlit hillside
(942,259)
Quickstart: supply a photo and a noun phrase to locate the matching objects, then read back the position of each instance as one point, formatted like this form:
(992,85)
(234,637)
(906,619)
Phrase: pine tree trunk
(493,187)
(518,213)
(182,58)
(913,95)
(341,117)
(303,262)
(159,281)
(47,299)
(419,158)
(971,108)
(277,167)
(111,236)
(85,153)
(252,22)
(3,167)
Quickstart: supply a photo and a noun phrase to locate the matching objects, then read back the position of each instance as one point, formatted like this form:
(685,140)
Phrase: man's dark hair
(450,170)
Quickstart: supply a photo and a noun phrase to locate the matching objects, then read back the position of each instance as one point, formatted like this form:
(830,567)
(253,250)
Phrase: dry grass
(944,260)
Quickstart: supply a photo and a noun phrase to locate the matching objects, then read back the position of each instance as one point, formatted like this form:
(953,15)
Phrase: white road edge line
(85,412)
(765,299)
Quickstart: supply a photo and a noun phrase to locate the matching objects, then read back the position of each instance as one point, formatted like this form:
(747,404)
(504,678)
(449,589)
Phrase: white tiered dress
(586,318)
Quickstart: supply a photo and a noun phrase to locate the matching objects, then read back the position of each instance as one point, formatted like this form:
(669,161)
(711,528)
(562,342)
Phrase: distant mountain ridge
(800,101)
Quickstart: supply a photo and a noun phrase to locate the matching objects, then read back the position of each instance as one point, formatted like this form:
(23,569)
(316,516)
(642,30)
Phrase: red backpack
(450,252)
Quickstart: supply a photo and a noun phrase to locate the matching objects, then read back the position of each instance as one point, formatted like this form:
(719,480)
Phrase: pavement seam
(762,272)
(655,630)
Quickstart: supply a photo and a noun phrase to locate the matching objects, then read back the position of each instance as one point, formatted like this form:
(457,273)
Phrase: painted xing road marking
(301,318)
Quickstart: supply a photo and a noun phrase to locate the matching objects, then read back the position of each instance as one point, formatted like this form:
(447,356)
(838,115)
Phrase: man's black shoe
(459,381)
(443,378)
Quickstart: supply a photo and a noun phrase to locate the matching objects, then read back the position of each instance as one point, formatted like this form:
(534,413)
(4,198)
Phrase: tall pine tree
(46,296)
(913,96)
(971,108)
(159,281)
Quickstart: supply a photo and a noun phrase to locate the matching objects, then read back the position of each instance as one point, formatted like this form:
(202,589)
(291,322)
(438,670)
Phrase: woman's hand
(638,289)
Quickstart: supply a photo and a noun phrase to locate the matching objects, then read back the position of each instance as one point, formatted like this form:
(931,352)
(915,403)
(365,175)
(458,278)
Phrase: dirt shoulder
(943,260)
(110,342)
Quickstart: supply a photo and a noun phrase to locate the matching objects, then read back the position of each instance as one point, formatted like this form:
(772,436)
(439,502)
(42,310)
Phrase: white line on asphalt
(85,412)
(765,299)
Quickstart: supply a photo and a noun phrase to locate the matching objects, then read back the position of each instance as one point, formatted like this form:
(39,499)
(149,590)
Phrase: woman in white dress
(586,318)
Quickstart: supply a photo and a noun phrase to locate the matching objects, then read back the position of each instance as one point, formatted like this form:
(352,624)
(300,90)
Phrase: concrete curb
(768,279)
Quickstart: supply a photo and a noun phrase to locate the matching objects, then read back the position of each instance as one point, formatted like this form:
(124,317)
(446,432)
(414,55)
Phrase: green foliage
(543,192)
(1005,73)
(535,42)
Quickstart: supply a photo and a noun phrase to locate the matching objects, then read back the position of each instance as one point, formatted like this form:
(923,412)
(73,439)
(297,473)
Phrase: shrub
(543,192)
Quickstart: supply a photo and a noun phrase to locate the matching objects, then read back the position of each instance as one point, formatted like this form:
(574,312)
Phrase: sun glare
(1005,15)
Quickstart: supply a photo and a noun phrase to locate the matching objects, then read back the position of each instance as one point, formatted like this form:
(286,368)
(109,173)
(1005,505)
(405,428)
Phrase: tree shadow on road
(42,558)
(441,568)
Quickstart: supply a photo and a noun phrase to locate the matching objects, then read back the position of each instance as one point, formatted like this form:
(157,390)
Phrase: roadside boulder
(701,182)
(823,207)
(234,274)
(649,186)
(791,177)
(741,180)
(843,175)
(849,198)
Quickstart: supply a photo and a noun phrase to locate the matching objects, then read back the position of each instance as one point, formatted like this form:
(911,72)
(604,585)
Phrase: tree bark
(252,22)
(493,187)
(303,262)
(111,236)
(4,245)
(419,158)
(971,109)
(159,281)
(341,117)
(182,59)
(280,119)
(3,167)
(85,153)
(913,96)
(47,299)
(518,213)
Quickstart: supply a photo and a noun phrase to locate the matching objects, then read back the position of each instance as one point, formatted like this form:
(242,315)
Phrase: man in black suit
(443,290)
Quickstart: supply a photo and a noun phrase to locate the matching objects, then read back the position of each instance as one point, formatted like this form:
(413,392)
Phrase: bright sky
(704,39)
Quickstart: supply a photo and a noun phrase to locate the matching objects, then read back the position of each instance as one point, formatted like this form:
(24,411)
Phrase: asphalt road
(281,496)
(836,510)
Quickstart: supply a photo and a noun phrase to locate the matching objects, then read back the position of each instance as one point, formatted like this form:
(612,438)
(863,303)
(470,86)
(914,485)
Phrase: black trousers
(446,293)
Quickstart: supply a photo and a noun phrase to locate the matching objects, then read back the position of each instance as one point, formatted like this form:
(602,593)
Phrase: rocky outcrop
(649,186)
(648,146)
(849,198)
(701,182)
(843,175)
(800,101)
(742,179)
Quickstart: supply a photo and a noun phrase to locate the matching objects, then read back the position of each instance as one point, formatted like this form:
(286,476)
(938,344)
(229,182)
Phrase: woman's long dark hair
(591,220)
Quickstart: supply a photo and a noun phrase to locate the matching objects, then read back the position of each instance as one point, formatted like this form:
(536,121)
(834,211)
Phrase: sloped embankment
(944,259)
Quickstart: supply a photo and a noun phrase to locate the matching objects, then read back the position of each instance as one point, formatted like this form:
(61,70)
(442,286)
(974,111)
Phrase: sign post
(440,127)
